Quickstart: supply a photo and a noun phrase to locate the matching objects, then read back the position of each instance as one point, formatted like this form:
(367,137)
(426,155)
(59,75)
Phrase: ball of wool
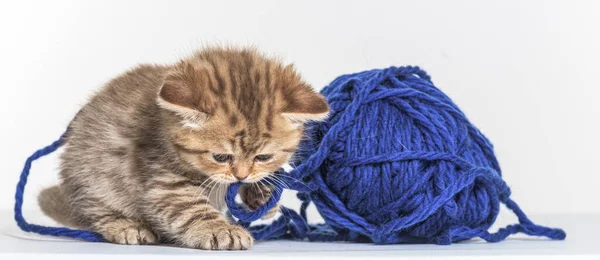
(405,163)
(397,161)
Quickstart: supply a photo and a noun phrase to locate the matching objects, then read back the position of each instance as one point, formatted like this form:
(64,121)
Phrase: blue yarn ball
(402,163)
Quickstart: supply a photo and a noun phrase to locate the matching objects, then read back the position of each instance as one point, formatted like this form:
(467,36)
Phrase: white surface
(581,243)
(525,72)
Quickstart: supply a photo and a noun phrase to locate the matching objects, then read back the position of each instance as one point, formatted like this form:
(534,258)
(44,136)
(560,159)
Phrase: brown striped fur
(140,165)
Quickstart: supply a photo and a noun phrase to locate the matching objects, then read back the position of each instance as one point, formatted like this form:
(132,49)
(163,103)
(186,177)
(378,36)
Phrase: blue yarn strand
(43,230)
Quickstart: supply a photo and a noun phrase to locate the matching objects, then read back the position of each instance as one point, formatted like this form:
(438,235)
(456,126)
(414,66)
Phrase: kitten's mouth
(226,180)
(230,179)
(256,177)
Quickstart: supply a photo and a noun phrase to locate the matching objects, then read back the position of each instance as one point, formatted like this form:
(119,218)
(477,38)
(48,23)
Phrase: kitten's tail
(53,202)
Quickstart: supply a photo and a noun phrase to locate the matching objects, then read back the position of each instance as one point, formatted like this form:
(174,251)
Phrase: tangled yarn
(396,162)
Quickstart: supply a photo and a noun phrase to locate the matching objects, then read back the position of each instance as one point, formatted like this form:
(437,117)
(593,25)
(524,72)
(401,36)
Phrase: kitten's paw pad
(131,234)
(229,237)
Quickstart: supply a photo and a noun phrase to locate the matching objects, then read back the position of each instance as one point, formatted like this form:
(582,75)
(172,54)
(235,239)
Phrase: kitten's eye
(222,158)
(263,157)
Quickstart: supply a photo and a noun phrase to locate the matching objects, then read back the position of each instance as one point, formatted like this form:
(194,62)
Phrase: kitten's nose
(240,174)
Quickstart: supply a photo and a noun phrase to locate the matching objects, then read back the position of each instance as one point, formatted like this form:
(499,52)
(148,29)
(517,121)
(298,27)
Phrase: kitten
(150,156)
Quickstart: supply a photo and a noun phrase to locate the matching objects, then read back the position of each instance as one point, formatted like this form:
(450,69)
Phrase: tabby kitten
(152,153)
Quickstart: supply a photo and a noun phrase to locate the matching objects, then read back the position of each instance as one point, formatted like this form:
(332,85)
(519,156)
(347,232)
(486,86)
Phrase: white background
(525,72)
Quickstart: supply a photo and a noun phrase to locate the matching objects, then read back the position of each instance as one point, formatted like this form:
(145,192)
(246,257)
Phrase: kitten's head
(236,115)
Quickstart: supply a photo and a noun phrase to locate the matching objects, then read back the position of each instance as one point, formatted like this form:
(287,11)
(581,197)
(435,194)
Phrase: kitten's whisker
(200,187)
(287,185)
(262,194)
(202,184)
(269,180)
(272,181)
(275,187)
(213,183)
(293,165)
(289,177)
(279,181)
(207,179)
(219,187)
(266,179)
(270,187)
(273,178)
(210,188)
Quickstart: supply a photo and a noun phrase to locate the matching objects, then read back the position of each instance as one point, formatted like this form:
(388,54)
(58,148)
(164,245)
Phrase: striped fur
(139,164)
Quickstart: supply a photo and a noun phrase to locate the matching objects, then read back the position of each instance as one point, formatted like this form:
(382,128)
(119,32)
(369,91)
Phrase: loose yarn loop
(43,230)
(396,162)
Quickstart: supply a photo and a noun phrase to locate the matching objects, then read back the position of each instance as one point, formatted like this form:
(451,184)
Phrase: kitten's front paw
(225,237)
(128,232)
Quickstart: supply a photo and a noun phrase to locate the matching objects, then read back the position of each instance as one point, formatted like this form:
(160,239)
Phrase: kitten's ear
(179,94)
(304,105)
